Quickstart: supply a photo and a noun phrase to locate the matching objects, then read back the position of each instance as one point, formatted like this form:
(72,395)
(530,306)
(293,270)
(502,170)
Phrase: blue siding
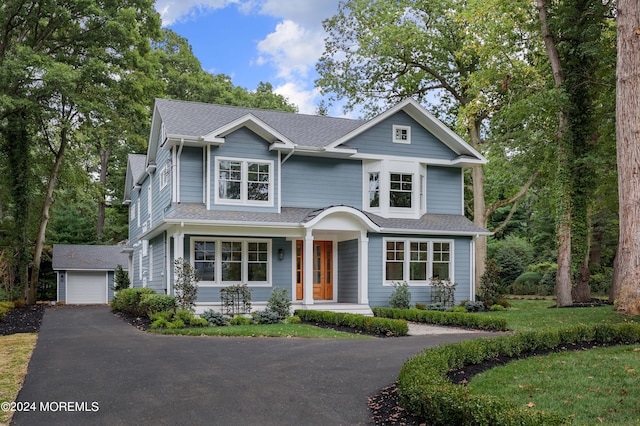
(157,283)
(378,140)
(444,190)
(379,294)
(243,143)
(348,271)
(161,198)
(321,182)
(191,175)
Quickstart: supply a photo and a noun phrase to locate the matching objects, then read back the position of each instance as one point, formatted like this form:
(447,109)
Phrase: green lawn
(263,330)
(527,315)
(590,387)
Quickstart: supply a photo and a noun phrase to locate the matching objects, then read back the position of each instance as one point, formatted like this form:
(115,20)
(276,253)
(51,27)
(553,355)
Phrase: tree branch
(495,206)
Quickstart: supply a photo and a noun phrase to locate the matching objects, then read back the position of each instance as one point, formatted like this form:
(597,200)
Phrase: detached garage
(85,273)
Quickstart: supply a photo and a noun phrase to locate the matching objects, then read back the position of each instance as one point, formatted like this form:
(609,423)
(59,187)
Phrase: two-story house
(333,210)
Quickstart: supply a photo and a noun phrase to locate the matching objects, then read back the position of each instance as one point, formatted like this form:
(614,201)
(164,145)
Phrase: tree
(462,59)
(626,282)
(185,286)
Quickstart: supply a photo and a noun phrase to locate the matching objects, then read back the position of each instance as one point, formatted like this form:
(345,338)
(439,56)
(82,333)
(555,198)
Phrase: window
(244,181)
(374,189)
(401,134)
(164,176)
(400,190)
(224,262)
(417,261)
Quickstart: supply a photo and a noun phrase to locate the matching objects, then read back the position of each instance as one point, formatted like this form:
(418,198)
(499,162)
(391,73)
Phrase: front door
(322,270)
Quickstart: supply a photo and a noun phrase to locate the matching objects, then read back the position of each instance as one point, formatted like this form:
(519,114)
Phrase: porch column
(307,257)
(363,269)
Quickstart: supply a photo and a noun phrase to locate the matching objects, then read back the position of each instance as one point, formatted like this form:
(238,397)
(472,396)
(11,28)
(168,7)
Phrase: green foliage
(496,307)
(421,306)
(473,306)
(489,291)
(266,317)
(240,320)
(128,300)
(294,319)
(513,255)
(152,303)
(179,318)
(458,309)
(400,296)
(236,300)
(121,279)
(5,307)
(459,319)
(185,286)
(528,283)
(381,326)
(427,393)
(279,303)
(214,318)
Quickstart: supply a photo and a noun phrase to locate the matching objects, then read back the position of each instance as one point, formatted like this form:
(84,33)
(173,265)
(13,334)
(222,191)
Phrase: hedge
(128,300)
(427,392)
(460,319)
(382,326)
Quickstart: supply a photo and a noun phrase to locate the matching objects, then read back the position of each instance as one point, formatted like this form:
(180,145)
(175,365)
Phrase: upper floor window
(374,189)
(401,134)
(244,181)
(164,176)
(400,190)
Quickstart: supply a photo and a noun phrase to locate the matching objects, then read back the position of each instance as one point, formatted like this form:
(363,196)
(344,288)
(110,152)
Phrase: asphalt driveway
(90,367)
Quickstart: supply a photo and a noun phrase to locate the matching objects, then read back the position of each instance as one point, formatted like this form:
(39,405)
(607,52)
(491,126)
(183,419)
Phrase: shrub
(421,306)
(459,319)
(496,307)
(382,326)
(214,318)
(152,303)
(186,289)
(279,303)
(187,317)
(400,296)
(128,300)
(266,317)
(490,283)
(472,306)
(176,319)
(513,254)
(236,300)
(121,279)
(458,309)
(294,319)
(240,320)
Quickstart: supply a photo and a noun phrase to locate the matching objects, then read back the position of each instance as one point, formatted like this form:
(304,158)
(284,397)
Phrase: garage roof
(88,257)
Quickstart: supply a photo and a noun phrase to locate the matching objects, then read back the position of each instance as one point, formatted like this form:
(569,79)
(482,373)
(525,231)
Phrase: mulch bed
(22,320)
(141,323)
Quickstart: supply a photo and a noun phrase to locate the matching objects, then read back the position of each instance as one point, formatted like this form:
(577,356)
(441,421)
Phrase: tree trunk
(105,155)
(627,263)
(563,177)
(44,218)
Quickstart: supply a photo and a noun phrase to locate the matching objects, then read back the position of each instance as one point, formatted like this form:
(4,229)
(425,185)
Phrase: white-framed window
(138,209)
(165,171)
(401,134)
(374,189)
(244,181)
(417,261)
(226,261)
(132,211)
(145,247)
(393,188)
(400,190)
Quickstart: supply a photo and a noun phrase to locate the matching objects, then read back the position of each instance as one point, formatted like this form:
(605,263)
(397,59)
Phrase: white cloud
(306,13)
(172,11)
(291,49)
(305,99)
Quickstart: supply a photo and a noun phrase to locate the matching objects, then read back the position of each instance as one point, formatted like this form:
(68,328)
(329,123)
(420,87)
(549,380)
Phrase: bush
(176,319)
(495,308)
(459,319)
(427,393)
(381,326)
(459,309)
(185,287)
(128,300)
(240,320)
(121,279)
(513,254)
(152,303)
(472,306)
(400,296)
(266,317)
(294,319)
(421,306)
(279,304)
(214,318)
(489,291)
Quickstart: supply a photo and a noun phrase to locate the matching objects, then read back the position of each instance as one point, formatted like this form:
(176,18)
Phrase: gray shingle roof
(199,119)
(138,164)
(435,223)
(73,256)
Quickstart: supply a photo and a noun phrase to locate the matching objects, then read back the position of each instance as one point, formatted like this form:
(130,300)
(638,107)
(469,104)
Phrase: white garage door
(86,287)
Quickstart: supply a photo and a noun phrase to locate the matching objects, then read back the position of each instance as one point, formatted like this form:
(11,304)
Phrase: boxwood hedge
(373,325)
(427,392)
(460,319)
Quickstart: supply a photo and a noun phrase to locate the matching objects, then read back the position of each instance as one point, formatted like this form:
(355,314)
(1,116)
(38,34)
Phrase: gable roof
(136,165)
(88,257)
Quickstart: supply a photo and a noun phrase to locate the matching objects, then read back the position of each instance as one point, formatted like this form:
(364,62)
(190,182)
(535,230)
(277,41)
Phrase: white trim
(163,179)
(366,222)
(407,258)
(208,178)
(244,262)
(244,182)
(150,262)
(397,127)
(254,124)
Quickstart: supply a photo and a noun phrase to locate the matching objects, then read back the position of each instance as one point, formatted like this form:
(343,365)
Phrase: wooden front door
(322,270)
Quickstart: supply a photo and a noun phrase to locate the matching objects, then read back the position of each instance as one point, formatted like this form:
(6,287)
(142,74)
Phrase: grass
(15,353)
(590,387)
(528,315)
(263,330)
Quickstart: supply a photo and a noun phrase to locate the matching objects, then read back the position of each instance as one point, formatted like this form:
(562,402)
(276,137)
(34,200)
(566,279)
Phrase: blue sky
(275,41)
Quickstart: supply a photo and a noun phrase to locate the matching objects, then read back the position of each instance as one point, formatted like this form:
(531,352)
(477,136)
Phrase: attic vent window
(401,134)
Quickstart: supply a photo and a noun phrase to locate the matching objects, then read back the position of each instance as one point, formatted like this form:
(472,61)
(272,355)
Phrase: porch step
(349,308)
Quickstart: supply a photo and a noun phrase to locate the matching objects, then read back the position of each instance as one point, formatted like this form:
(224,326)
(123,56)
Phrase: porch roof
(441,224)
